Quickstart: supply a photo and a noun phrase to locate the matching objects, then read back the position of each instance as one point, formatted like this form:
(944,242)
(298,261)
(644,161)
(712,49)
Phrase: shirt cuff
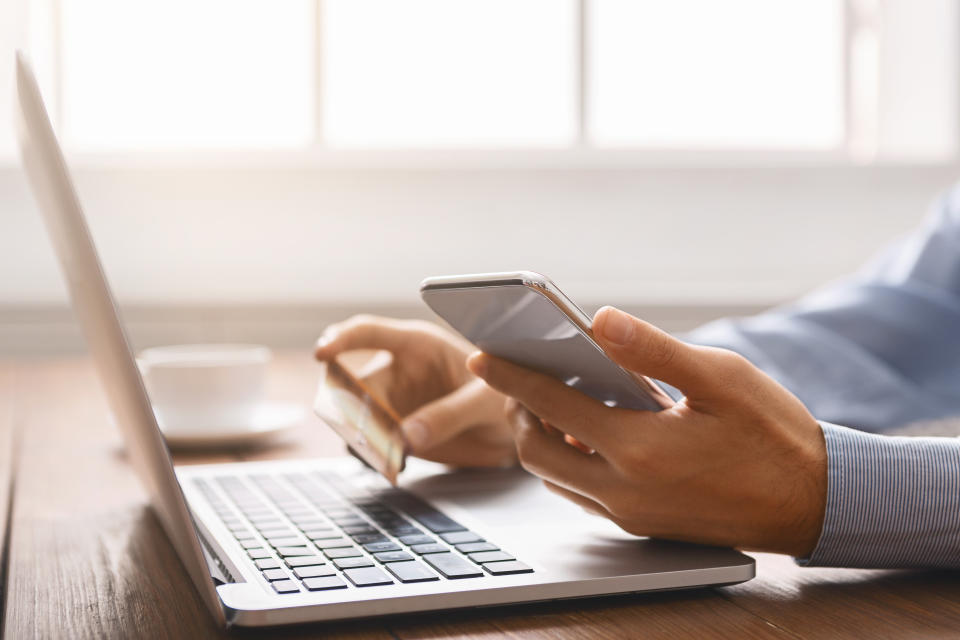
(891,502)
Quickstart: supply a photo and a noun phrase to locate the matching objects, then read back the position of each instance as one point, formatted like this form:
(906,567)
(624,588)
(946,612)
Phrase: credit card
(369,426)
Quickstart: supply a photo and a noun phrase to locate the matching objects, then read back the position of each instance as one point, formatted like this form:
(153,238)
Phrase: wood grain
(851,603)
(88,558)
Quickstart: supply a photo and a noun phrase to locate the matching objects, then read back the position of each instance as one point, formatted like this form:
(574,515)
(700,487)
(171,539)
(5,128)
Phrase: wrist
(811,482)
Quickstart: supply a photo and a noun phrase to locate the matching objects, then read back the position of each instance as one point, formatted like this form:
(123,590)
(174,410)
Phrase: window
(700,73)
(182,74)
(428,73)
(838,78)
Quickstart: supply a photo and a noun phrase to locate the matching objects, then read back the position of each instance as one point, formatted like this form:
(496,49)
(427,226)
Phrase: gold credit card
(369,426)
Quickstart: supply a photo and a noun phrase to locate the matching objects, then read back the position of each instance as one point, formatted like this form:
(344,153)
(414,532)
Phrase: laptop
(296,541)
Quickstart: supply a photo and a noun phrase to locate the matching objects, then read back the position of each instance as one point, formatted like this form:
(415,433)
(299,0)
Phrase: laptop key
(333,542)
(360,528)
(285,586)
(459,537)
(367,538)
(452,566)
(314,572)
(341,552)
(421,549)
(324,584)
(377,547)
(367,577)
(412,571)
(352,563)
(416,539)
(287,541)
(303,561)
(267,563)
(507,568)
(392,556)
(391,523)
(275,574)
(251,544)
(294,551)
(434,520)
(490,556)
(259,553)
(474,547)
(321,533)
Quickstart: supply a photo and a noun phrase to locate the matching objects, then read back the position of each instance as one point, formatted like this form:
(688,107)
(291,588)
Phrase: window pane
(737,73)
(448,72)
(182,73)
(13,20)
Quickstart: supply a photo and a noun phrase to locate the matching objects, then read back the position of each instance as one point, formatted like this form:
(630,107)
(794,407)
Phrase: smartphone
(523,317)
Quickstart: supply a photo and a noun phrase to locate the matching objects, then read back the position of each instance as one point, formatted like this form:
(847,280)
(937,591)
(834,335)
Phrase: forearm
(891,501)
(877,350)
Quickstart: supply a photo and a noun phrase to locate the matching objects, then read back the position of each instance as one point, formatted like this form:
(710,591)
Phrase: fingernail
(416,434)
(617,326)
(477,364)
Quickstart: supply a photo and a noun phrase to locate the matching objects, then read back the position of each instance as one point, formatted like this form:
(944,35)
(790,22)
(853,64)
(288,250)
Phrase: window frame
(865,107)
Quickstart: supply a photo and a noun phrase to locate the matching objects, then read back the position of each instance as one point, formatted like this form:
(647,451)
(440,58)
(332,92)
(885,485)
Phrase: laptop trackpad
(498,497)
(534,523)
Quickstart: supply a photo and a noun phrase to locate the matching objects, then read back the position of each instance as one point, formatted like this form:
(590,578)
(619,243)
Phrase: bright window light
(12,21)
(141,74)
(702,73)
(442,73)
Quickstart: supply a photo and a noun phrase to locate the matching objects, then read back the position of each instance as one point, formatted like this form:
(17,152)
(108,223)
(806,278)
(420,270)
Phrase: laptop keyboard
(316,532)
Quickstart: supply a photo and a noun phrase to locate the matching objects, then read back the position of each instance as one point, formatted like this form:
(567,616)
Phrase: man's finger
(643,348)
(360,332)
(552,459)
(436,422)
(380,379)
(563,407)
(584,502)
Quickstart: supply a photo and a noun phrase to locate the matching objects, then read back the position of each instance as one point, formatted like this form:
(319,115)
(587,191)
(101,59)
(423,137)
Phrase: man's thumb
(436,422)
(643,348)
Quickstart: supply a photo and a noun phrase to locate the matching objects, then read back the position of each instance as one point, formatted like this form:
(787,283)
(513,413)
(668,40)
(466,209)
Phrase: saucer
(268,421)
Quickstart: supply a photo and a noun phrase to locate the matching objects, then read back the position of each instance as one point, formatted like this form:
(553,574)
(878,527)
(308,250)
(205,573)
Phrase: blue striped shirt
(875,352)
(891,501)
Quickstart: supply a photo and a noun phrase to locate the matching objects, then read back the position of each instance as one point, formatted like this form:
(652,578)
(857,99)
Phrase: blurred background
(253,170)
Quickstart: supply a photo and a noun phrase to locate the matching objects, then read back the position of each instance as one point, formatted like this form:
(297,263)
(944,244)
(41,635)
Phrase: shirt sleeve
(874,351)
(892,502)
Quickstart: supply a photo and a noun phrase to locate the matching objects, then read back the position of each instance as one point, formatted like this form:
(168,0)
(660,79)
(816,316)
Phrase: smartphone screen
(519,323)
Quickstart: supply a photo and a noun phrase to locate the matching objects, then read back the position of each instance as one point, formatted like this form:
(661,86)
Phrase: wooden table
(87,559)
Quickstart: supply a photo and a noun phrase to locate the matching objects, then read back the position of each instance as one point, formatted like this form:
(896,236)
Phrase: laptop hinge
(217,571)
(217,568)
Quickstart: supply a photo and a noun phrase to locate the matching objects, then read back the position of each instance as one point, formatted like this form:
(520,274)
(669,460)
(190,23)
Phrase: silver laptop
(286,542)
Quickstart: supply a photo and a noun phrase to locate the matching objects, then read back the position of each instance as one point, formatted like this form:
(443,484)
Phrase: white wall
(626,236)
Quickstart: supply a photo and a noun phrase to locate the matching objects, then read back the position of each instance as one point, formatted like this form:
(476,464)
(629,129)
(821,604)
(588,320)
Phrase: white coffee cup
(205,387)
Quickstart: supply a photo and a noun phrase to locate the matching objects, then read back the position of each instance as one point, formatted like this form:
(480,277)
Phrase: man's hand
(738,462)
(449,415)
